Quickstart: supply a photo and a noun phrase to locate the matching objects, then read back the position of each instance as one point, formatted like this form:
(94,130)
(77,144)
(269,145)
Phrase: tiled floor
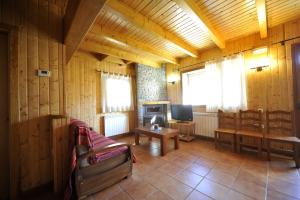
(198,171)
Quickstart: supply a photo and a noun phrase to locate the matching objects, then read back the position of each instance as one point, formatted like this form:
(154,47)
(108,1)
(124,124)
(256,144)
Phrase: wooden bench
(280,129)
(250,126)
(226,129)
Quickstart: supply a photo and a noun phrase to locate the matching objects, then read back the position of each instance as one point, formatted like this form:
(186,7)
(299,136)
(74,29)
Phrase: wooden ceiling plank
(133,43)
(92,46)
(146,24)
(79,18)
(262,17)
(192,9)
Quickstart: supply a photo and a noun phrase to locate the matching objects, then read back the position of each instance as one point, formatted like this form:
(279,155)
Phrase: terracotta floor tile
(108,193)
(227,168)
(250,189)
(141,190)
(158,195)
(131,182)
(170,169)
(158,179)
(212,189)
(255,169)
(182,162)
(199,169)
(121,196)
(252,177)
(195,195)
(206,162)
(176,190)
(286,174)
(189,178)
(221,177)
(233,195)
(274,195)
(284,187)
(215,173)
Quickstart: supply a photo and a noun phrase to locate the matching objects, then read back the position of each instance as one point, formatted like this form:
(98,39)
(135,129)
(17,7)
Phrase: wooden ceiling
(160,31)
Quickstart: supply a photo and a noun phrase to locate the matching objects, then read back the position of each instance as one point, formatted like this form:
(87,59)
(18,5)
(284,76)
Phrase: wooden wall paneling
(53,62)
(60,152)
(33,98)
(23,84)
(61,61)
(35,50)
(283,80)
(249,76)
(14,113)
(43,63)
(85,90)
(274,101)
(289,74)
(277,78)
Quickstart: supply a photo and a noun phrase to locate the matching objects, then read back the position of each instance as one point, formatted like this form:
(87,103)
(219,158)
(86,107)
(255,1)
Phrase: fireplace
(158,109)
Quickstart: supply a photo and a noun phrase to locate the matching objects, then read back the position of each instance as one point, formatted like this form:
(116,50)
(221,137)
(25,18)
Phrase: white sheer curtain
(116,93)
(214,90)
(227,85)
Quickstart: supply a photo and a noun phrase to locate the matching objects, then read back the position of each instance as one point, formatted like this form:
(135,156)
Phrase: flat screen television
(182,112)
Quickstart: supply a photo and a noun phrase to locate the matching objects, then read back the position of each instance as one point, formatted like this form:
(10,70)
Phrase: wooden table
(164,134)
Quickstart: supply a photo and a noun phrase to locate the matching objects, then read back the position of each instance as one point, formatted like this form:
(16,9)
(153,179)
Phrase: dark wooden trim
(296,91)
(13,99)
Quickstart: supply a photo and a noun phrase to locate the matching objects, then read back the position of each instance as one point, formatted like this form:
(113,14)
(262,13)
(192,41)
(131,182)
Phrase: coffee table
(164,134)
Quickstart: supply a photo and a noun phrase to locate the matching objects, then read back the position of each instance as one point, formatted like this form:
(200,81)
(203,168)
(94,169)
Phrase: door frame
(13,102)
(296,90)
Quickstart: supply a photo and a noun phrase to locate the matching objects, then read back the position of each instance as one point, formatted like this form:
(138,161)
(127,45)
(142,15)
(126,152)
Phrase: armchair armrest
(105,149)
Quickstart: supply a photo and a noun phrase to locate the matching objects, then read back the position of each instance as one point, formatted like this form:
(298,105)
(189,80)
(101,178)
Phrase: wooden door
(4,121)
(296,77)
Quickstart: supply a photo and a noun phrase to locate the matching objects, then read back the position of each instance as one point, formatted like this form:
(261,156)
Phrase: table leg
(176,142)
(137,138)
(163,145)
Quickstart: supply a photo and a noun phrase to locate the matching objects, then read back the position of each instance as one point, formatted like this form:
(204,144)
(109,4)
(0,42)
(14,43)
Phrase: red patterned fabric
(93,141)
(99,141)
(81,139)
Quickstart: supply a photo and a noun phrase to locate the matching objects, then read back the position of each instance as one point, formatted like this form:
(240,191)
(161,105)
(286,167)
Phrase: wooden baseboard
(204,138)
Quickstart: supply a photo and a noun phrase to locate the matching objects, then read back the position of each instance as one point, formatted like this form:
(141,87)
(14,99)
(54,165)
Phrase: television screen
(182,112)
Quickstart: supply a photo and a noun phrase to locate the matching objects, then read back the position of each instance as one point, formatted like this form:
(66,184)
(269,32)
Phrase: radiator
(115,124)
(205,123)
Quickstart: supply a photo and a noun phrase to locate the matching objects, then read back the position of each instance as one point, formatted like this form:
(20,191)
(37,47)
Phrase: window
(221,85)
(116,93)
(193,87)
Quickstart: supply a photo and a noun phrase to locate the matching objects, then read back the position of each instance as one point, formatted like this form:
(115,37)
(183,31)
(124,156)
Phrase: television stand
(186,129)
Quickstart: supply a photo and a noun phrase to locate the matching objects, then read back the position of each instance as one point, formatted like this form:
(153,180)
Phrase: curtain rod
(282,42)
(114,73)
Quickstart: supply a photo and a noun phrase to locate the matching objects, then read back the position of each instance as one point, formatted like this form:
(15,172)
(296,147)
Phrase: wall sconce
(174,76)
(172,79)
(260,59)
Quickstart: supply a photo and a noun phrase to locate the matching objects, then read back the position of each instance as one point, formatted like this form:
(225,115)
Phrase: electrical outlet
(44,73)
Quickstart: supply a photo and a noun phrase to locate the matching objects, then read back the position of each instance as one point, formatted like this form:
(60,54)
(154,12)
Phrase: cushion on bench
(100,141)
